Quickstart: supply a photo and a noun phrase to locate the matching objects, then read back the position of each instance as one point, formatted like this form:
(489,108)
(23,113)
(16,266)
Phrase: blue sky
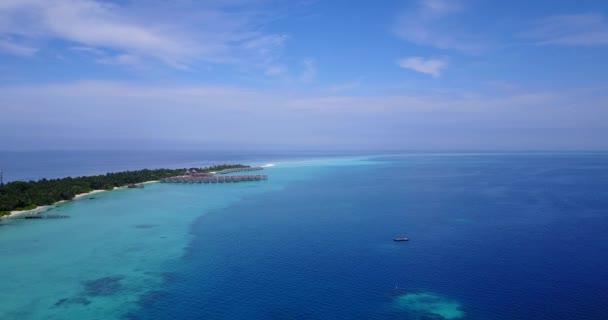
(339,75)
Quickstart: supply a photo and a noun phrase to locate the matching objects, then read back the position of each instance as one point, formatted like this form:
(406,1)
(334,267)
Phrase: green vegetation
(20,195)
(4,213)
(28,207)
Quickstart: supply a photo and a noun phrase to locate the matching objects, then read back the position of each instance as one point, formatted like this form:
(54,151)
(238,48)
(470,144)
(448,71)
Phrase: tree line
(21,195)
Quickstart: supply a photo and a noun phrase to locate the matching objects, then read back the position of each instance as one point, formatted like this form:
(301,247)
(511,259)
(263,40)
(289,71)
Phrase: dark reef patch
(67,301)
(60,302)
(105,286)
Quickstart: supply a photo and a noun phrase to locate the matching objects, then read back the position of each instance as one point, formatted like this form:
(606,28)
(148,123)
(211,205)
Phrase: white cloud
(182,33)
(427,66)
(571,30)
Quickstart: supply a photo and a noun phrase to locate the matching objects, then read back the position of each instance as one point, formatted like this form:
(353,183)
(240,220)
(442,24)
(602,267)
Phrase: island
(22,195)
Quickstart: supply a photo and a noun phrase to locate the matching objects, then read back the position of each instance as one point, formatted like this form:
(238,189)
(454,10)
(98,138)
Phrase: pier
(218,177)
(214,179)
(225,171)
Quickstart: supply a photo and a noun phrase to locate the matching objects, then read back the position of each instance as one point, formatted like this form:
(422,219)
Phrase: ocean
(492,236)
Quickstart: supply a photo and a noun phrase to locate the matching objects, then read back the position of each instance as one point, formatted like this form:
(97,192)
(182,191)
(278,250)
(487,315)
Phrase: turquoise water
(126,239)
(131,234)
(493,237)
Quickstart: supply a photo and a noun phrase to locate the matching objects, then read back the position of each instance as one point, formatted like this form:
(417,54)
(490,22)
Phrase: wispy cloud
(440,7)
(174,113)
(209,33)
(275,70)
(571,30)
(506,86)
(429,66)
(346,86)
(16,49)
(309,71)
(121,59)
(266,51)
(436,23)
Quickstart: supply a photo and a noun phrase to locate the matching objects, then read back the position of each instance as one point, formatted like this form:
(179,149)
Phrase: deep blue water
(494,236)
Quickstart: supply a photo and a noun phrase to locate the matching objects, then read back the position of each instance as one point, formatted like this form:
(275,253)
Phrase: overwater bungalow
(213,178)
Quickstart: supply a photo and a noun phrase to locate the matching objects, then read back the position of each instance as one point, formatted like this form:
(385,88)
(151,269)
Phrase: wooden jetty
(225,171)
(214,179)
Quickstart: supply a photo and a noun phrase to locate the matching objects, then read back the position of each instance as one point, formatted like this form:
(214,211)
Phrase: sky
(436,75)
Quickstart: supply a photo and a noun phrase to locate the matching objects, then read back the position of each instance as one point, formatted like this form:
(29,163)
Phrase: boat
(401,239)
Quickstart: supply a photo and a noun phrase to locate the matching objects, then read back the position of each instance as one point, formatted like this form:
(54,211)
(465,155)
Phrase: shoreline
(40,209)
